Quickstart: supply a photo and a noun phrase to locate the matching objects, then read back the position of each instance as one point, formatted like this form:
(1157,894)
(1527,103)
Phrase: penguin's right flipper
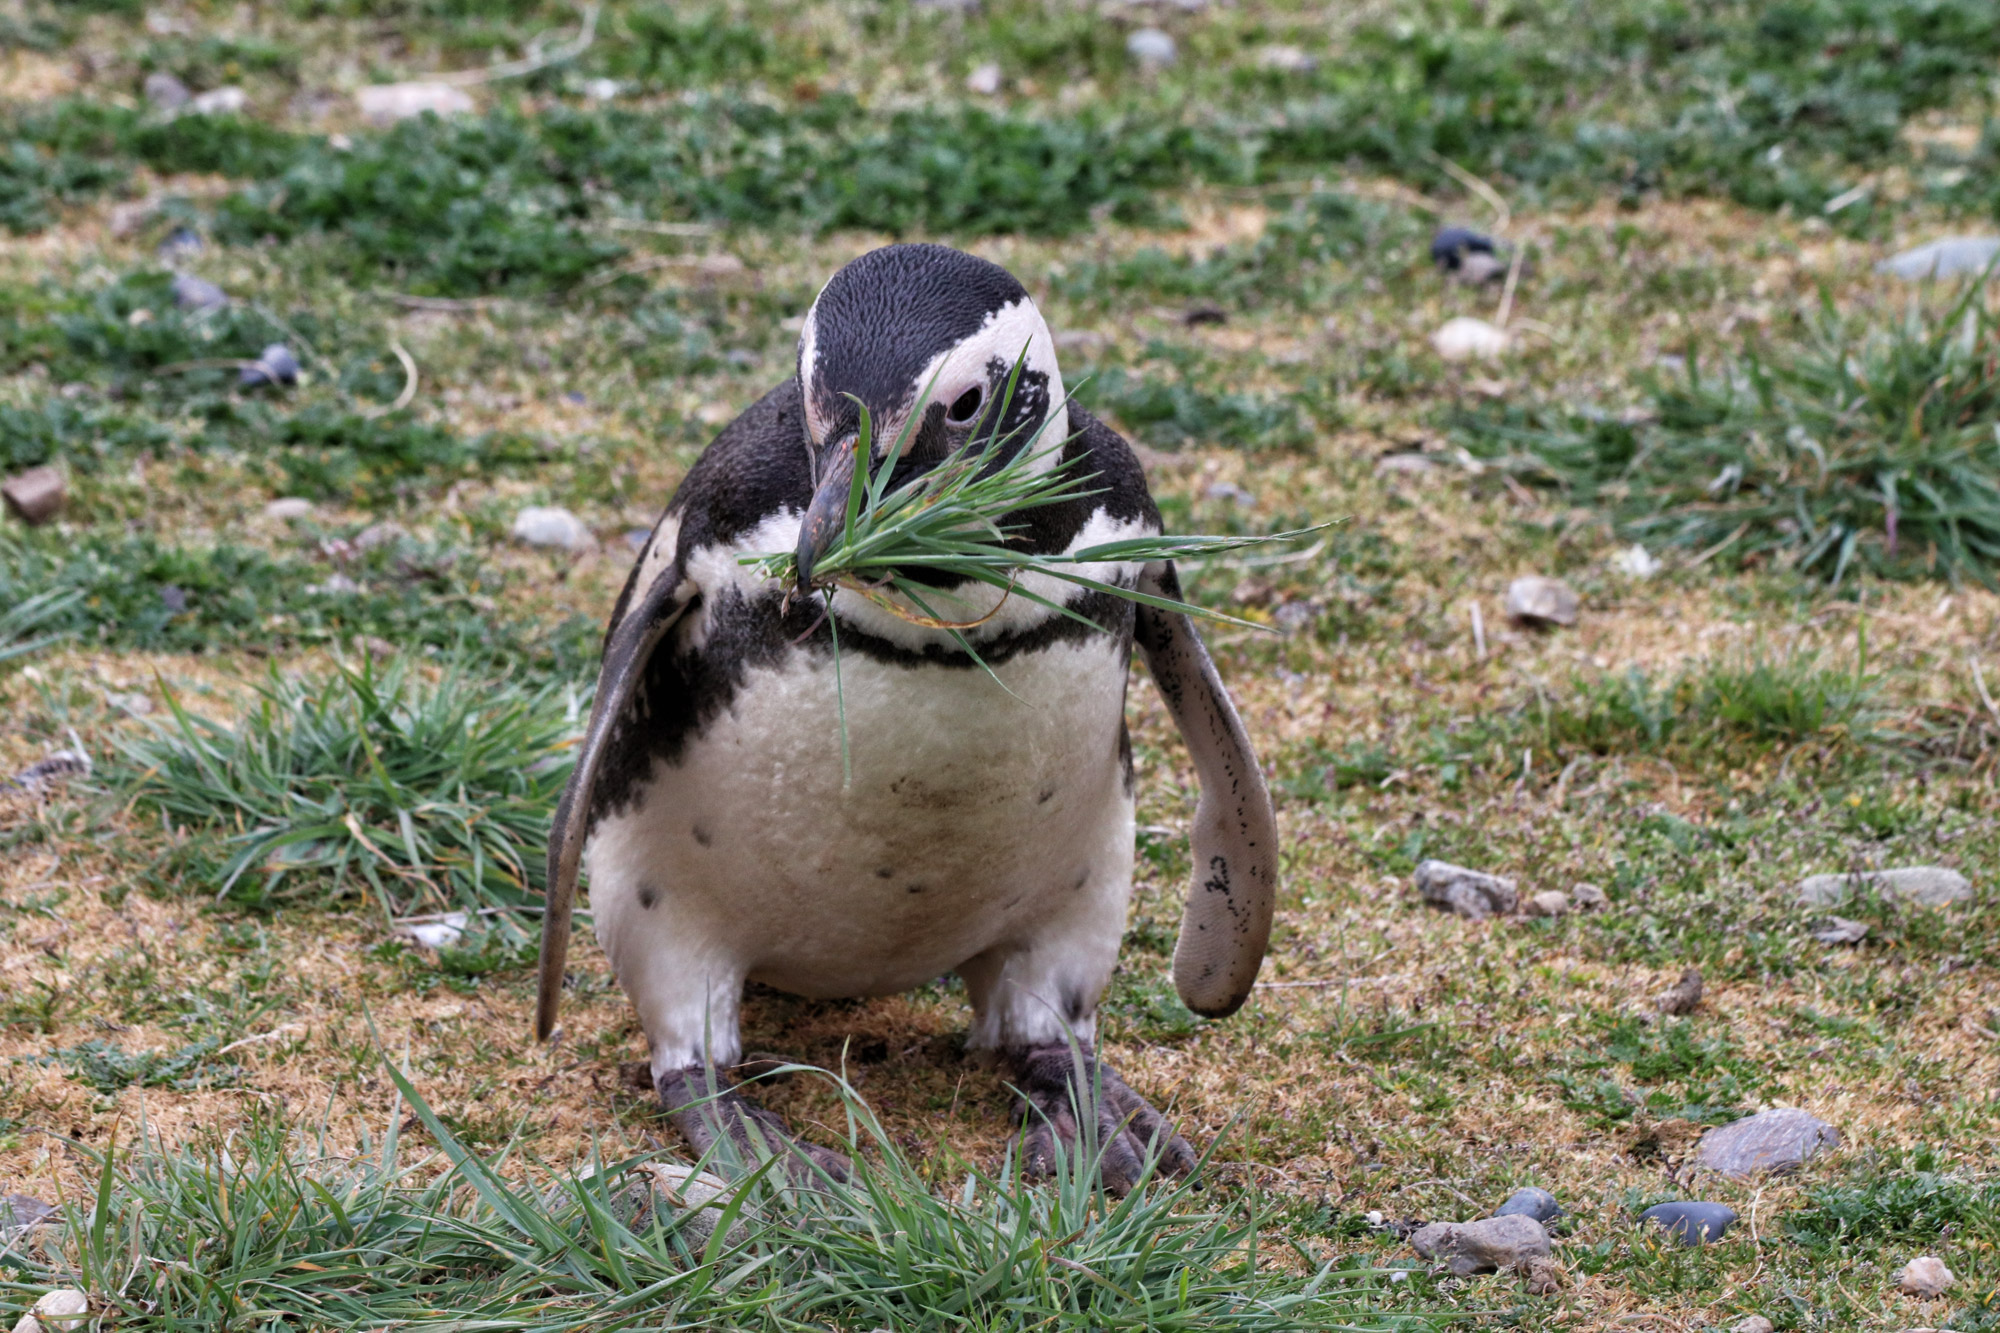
(626,651)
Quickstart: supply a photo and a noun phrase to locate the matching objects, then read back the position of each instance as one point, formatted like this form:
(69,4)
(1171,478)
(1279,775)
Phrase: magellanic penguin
(984,831)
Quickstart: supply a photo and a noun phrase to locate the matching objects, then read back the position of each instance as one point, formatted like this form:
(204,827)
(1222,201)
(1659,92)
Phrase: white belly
(971,816)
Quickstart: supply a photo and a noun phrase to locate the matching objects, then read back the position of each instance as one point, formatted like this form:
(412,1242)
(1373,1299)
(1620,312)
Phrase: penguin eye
(966,408)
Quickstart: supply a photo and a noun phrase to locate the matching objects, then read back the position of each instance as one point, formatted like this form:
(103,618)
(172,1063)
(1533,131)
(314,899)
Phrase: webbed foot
(705,1106)
(1054,1083)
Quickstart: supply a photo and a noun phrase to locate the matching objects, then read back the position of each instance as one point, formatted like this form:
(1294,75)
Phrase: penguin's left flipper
(1226,921)
(720,1122)
(1057,1083)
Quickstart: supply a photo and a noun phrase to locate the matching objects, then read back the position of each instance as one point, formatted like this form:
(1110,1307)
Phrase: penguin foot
(1054,1084)
(705,1107)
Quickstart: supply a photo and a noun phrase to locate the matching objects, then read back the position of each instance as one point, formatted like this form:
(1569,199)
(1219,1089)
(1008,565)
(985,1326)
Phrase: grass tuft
(1862,445)
(422,793)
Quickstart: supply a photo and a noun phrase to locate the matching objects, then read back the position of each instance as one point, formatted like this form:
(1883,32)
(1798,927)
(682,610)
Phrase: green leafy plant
(423,793)
(22,624)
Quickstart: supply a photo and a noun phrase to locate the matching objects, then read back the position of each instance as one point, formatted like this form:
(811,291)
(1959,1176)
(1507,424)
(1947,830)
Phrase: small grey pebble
(180,241)
(166,92)
(274,365)
(1151,46)
(173,599)
(1530,1202)
(1691,1223)
(192,293)
(23,1210)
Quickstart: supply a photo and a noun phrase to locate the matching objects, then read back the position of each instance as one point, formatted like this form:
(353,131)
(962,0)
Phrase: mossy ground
(1699,741)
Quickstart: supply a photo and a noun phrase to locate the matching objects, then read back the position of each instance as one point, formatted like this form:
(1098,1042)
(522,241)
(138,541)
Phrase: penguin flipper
(1226,923)
(626,650)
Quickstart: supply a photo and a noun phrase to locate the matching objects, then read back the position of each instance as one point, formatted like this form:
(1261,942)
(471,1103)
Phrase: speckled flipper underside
(1226,923)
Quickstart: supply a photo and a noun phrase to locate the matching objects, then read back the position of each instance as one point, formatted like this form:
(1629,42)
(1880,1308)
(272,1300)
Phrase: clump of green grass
(110,1068)
(267,1224)
(424,794)
(1913,1199)
(1177,413)
(1863,445)
(24,625)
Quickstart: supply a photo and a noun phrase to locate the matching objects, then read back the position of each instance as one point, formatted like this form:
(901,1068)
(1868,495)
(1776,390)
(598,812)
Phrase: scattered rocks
(198,294)
(1691,1223)
(1543,1275)
(1589,898)
(985,80)
(1840,930)
(1753,1323)
(36,495)
(1780,1139)
(1530,1202)
(1464,255)
(1286,60)
(1152,48)
(1538,601)
(57,1311)
(1465,338)
(1682,996)
(1485,1246)
(287,508)
(56,766)
(538,525)
(164,92)
(274,365)
(1473,894)
(1951,257)
(443,933)
(18,1212)
(1635,561)
(699,1195)
(219,102)
(1927,886)
(387,103)
(1925,1278)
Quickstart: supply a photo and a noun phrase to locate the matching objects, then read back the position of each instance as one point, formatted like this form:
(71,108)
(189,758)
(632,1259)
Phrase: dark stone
(274,365)
(1530,1202)
(1691,1223)
(22,1211)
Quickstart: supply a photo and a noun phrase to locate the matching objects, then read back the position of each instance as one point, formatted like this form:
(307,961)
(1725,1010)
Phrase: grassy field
(263,1106)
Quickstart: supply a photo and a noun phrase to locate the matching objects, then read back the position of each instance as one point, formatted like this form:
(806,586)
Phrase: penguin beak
(827,514)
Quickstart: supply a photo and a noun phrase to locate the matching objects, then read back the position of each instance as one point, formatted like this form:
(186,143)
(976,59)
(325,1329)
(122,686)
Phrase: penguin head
(928,339)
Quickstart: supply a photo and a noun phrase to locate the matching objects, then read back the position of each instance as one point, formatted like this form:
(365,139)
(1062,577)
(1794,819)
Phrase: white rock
(1589,898)
(379,534)
(1927,886)
(1464,338)
(1840,930)
(165,91)
(334,585)
(288,507)
(63,1308)
(1925,1278)
(985,80)
(1152,47)
(1954,256)
(549,526)
(1549,902)
(1469,893)
(219,102)
(1753,1323)
(444,933)
(28,1324)
(386,103)
(1286,59)
(1637,562)
(600,90)
(1535,600)
(702,1195)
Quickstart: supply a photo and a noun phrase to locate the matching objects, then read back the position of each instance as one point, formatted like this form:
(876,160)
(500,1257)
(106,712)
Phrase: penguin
(977,830)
